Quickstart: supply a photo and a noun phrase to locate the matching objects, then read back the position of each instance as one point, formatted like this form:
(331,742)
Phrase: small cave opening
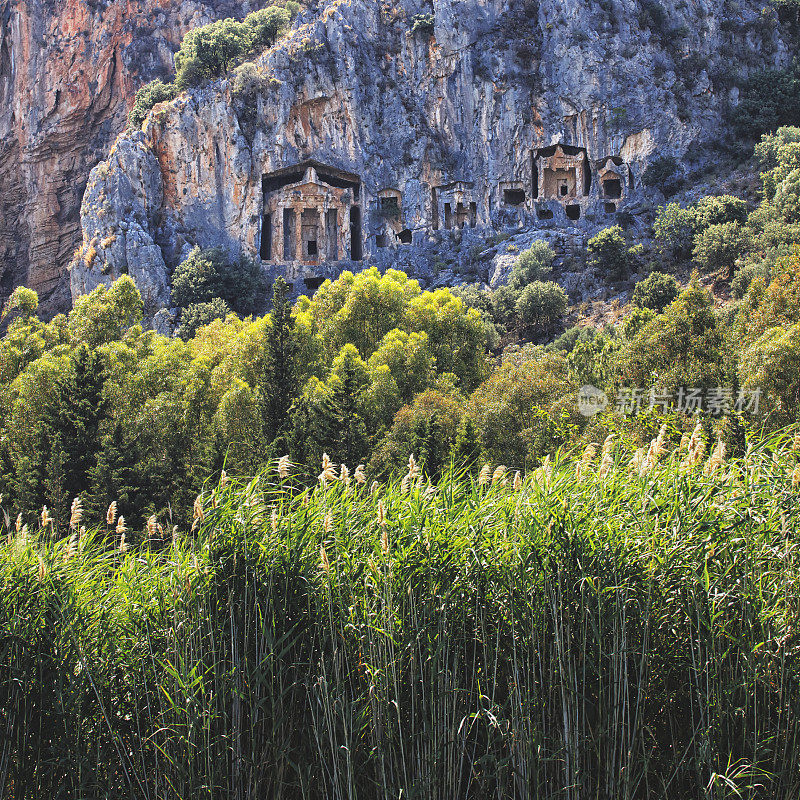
(513,197)
(265,249)
(612,188)
(405,236)
(356,250)
(573,212)
(380,240)
(610,208)
(544,213)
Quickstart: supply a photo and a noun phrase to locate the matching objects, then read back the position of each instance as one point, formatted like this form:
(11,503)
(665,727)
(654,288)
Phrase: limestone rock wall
(68,72)
(460,111)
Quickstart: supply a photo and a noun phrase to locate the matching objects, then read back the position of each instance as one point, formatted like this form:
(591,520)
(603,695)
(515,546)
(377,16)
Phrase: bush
(540,303)
(656,291)
(210,51)
(208,274)
(769,99)
(265,26)
(718,247)
(673,231)
(424,23)
(532,264)
(663,173)
(608,252)
(148,96)
(199,314)
(717,210)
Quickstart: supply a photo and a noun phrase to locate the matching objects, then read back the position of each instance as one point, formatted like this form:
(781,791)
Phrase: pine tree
(279,383)
(75,416)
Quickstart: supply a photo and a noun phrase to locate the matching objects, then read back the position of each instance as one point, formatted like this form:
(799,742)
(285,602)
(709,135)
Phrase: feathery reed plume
(374,488)
(796,443)
(151,527)
(385,541)
(359,476)
(716,458)
(413,469)
(111,514)
(517,481)
(76,514)
(684,443)
(638,460)
(547,469)
(19,522)
(381,513)
(586,459)
(696,449)
(344,475)
(273,518)
(404,485)
(305,501)
(23,537)
(175,537)
(123,545)
(796,477)
(655,451)
(46,518)
(606,461)
(81,538)
(223,479)
(284,465)
(328,522)
(484,475)
(429,492)
(72,547)
(328,473)
(326,565)
(198,514)
(499,473)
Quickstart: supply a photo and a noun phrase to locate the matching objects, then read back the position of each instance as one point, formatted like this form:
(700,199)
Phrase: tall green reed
(608,627)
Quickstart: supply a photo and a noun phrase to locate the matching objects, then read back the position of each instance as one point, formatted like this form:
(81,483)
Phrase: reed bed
(612,625)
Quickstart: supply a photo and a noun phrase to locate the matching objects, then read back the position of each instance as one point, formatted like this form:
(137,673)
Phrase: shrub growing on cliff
(608,252)
(148,96)
(532,264)
(210,51)
(769,99)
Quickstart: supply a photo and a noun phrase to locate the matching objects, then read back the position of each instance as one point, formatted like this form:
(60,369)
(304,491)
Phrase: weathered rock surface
(68,74)
(463,113)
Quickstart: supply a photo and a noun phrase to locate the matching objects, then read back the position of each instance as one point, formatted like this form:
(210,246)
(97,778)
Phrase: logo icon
(591,400)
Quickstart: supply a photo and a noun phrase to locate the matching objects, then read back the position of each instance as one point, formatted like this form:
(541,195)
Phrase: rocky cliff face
(68,74)
(361,136)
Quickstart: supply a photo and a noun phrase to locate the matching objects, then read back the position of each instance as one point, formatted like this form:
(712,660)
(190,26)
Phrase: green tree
(541,303)
(532,264)
(148,96)
(673,230)
(608,252)
(683,347)
(196,315)
(719,246)
(466,450)
(279,384)
(656,291)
